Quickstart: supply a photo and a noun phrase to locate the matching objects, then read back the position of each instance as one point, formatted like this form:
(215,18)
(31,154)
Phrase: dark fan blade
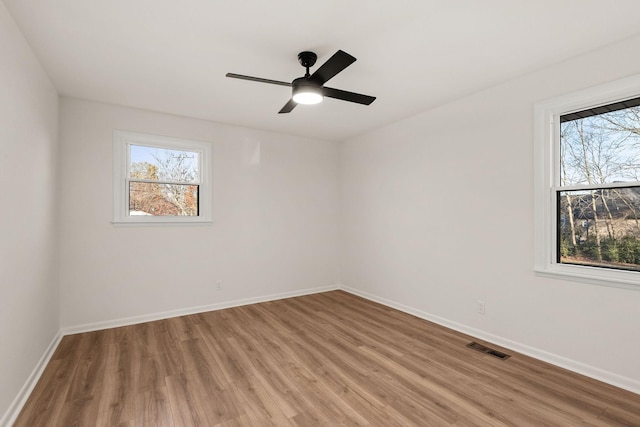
(347,96)
(257,79)
(288,107)
(338,62)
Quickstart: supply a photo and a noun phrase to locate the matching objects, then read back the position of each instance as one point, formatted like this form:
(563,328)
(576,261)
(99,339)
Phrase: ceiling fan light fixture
(305,92)
(307,98)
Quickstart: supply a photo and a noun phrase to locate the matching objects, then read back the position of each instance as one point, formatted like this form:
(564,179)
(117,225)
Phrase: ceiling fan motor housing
(306,83)
(306,91)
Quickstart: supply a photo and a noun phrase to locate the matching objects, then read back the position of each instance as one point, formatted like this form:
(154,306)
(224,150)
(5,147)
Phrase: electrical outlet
(219,285)
(481,307)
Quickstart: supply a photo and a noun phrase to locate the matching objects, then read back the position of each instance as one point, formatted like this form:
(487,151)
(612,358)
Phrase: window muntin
(160,179)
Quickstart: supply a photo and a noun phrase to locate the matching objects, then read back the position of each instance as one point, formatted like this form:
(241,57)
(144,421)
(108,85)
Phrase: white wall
(29,302)
(437,214)
(274,230)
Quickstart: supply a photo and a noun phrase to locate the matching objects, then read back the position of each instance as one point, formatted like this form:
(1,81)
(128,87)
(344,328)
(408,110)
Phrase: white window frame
(122,140)
(546,181)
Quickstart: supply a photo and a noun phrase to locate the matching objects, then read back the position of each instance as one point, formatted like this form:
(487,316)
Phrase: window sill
(592,275)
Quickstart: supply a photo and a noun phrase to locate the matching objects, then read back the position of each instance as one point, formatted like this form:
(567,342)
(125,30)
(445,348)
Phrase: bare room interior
(428,243)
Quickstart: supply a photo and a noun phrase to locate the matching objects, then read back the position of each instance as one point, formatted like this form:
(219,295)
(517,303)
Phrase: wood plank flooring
(325,359)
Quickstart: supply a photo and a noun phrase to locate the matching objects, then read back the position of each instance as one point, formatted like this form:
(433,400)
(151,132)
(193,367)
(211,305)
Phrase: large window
(587,179)
(160,179)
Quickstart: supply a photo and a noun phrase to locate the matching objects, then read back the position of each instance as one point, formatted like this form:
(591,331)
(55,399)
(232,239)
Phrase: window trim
(121,142)
(546,152)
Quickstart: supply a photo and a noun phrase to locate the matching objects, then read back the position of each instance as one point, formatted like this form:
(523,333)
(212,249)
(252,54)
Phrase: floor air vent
(479,347)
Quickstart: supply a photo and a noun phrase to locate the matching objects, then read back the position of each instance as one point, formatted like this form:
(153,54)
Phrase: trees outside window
(599,211)
(163,182)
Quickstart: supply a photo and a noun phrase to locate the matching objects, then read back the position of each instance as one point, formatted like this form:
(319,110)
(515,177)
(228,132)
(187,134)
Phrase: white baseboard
(89,327)
(563,362)
(14,409)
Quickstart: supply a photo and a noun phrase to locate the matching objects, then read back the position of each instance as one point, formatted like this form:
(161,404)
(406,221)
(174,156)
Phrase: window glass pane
(163,164)
(163,199)
(601,148)
(600,227)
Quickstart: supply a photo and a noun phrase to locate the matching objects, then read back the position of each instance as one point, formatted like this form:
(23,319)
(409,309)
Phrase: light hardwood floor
(326,359)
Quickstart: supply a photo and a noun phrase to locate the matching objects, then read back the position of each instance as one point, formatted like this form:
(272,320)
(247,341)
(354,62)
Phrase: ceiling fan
(310,89)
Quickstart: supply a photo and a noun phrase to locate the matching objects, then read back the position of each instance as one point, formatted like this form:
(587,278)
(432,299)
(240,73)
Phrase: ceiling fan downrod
(307,60)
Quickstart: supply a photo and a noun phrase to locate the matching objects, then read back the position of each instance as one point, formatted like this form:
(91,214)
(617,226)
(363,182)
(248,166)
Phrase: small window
(160,180)
(587,185)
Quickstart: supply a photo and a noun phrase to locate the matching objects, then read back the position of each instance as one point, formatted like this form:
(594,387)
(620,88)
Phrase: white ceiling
(172,56)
